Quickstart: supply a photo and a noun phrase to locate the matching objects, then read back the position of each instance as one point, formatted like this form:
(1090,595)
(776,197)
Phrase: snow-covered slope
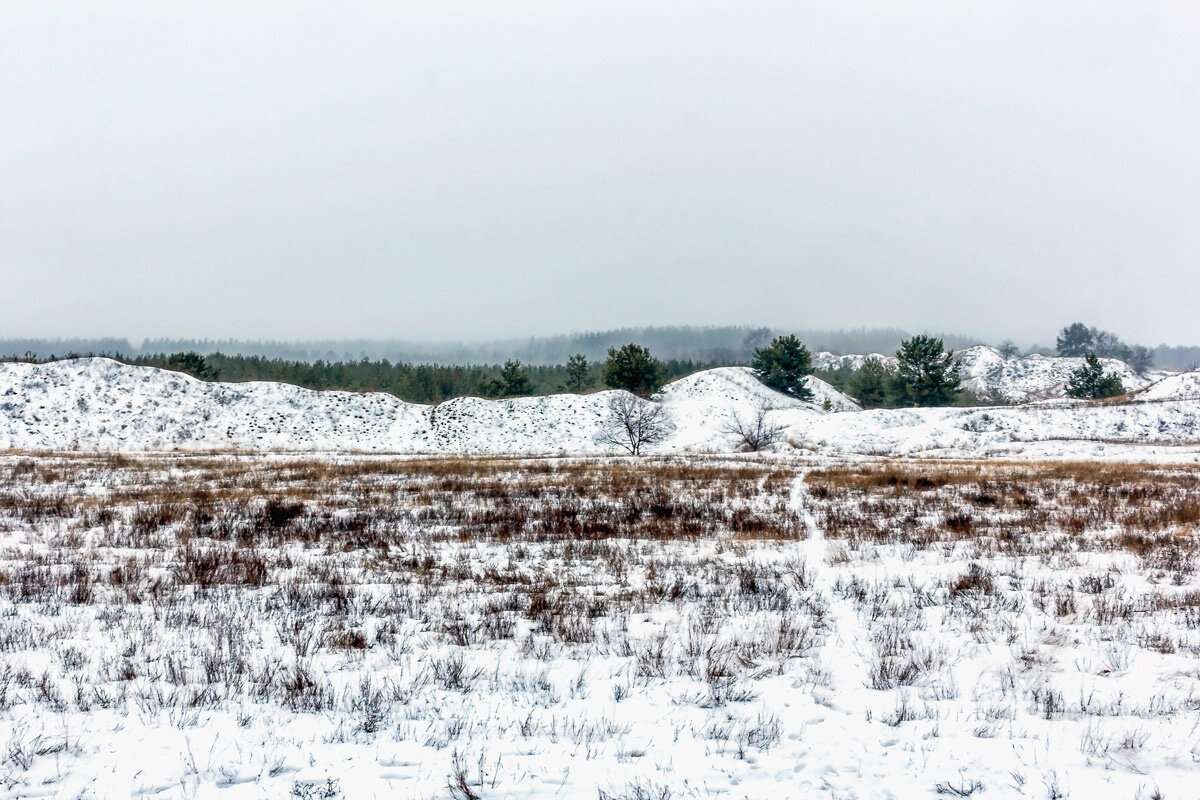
(97,403)
(988,373)
(829,361)
(1185,386)
(1054,429)
(703,405)
(985,371)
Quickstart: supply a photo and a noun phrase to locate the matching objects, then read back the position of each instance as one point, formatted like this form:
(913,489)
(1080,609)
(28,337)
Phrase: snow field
(229,627)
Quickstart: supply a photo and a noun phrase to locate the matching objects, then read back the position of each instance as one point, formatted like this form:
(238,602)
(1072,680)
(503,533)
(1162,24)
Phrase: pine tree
(633,369)
(579,373)
(514,380)
(871,383)
(193,364)
(783,365)
(1008,348)
(1090,383)
(927,373)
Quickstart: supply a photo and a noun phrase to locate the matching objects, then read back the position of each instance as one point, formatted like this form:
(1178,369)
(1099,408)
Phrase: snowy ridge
(1175,387)
(1016,380)
(1033,377)
(100,404)
(829,361)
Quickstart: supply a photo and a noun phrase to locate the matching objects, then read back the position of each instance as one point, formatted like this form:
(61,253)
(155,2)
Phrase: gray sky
(469,170)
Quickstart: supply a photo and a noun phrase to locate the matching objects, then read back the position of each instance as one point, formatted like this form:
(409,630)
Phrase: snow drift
(100,404)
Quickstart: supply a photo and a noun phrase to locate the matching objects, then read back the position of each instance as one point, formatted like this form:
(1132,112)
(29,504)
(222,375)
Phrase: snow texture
(101,404)
(986,372)
(1014,380)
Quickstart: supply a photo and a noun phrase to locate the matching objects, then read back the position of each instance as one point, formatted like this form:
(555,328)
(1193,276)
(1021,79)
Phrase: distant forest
(725,344)
(431,373)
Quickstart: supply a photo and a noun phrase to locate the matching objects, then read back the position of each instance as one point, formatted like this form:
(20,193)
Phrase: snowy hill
(100,404)
(97,403)
(1185,386)
(1032,377)
(1018,380)
(829,361)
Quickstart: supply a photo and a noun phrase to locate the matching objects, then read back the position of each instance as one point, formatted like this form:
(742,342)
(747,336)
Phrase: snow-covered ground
(244,627)
(1018,380)
(1033,377)
(100,404)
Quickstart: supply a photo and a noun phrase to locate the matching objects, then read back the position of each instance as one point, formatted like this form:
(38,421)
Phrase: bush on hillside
(1090,382)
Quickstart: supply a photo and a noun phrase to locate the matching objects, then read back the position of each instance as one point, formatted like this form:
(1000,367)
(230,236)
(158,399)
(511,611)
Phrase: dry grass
(1017,508)
(220,583)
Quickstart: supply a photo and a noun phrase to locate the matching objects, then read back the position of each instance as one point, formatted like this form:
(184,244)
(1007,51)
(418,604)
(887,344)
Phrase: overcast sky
(449,170)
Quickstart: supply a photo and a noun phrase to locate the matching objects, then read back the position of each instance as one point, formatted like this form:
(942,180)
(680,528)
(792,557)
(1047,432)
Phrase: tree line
(414,383)
(701,344)
(925,374)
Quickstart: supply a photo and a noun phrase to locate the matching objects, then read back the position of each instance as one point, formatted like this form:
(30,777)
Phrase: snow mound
(565,423)
(986,372)
(100,404)
(738,385)
(1185,386)
(1060,430)
(1034,377)
(837,401)
(704,405)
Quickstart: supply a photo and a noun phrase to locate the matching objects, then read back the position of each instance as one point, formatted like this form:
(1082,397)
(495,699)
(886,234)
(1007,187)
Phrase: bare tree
(633,423)
(755,434)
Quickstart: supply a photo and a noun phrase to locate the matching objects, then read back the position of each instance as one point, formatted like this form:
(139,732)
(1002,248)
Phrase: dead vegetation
(390,596)
(1150,511)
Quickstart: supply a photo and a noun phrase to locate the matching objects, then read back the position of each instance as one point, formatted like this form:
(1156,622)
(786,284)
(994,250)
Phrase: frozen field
(216,626)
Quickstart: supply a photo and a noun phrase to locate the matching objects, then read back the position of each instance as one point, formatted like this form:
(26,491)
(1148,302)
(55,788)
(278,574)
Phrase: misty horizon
(459,172)
(700,344)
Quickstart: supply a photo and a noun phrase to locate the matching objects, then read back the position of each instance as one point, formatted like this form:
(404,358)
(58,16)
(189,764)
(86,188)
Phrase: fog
(462,171)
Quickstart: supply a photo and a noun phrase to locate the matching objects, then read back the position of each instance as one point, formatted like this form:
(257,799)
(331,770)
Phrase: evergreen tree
(871,384)
(927,373)
(783,365)
(1075,340)
(633,369)
(513,380)
(193,364)
(1090,383)
(579,373)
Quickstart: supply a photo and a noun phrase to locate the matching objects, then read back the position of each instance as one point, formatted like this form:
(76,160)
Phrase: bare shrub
(637,791)
(633,424)
(452,673)
(755,434)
